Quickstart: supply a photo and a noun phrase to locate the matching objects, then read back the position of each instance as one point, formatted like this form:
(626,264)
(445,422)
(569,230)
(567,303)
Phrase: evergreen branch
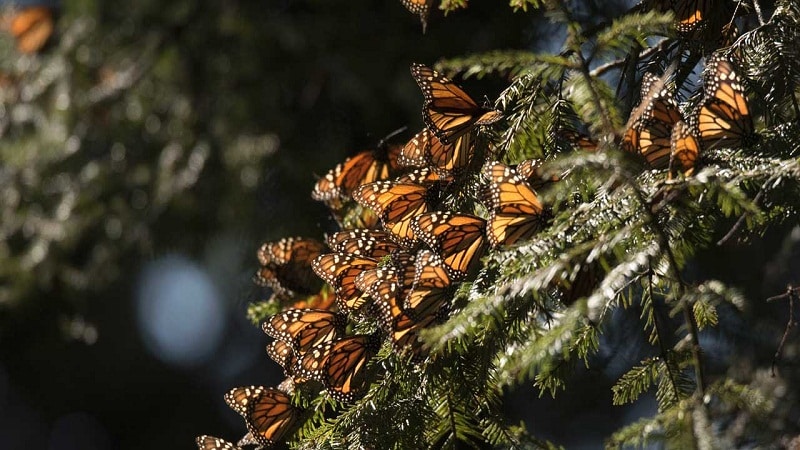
(636,381)
(631,31)
(659,334)
(511,63)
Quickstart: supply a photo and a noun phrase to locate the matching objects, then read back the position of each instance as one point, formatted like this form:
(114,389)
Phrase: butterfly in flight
(448,111)
(457,237)
(515,212)
(724,119)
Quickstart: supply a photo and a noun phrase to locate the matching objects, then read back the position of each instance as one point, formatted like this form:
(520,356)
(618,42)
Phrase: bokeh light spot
(179,311)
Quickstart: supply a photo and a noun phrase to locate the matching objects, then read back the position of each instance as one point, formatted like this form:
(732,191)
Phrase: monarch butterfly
(580,140)
(584,283)
(685,150)
(515,211)
(270,415)
(426,150)
(401,324)
(398,270)
(530,170)
(32,27)
(458,238)
(650,126)
(324,299)
(723,119)
(305,328)
(396,204)
(283,354)
(340,270)
(422,8)
(206,442)
(352,215)
(238,398)
(363,242)
(286,266)
(365,167)
(424,176)
(449,112)
(430,287)
(341,365)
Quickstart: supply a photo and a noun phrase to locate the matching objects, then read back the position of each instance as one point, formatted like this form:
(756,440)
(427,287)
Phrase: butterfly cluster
(405,245)
(666,139)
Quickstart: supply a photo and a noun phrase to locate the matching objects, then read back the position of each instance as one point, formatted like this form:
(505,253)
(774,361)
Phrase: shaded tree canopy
(641,210)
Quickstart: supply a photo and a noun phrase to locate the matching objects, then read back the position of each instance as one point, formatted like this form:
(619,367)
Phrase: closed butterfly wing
(724,119)
(422,8)
(530,170)
(286,266)
(363,242)
(430,291)
(401,324)
(458,238)
(305,328)
(364,167)
(446,160)
(340,270)
(449,112)
(283,354)
(345,374)
(238,398)
(649,128)
(396,204)
(270,416)
(685,150)
(206,442)
(515,211)
(578,140)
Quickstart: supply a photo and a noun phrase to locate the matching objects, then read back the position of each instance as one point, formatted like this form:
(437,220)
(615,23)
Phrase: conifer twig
(660,336)
(740,221)
(791,293)
(691,324)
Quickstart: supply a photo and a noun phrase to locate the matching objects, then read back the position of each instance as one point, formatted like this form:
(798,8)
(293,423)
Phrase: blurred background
(147,148)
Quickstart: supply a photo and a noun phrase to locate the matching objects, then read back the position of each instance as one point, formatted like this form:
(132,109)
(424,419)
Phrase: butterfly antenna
(394,133)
